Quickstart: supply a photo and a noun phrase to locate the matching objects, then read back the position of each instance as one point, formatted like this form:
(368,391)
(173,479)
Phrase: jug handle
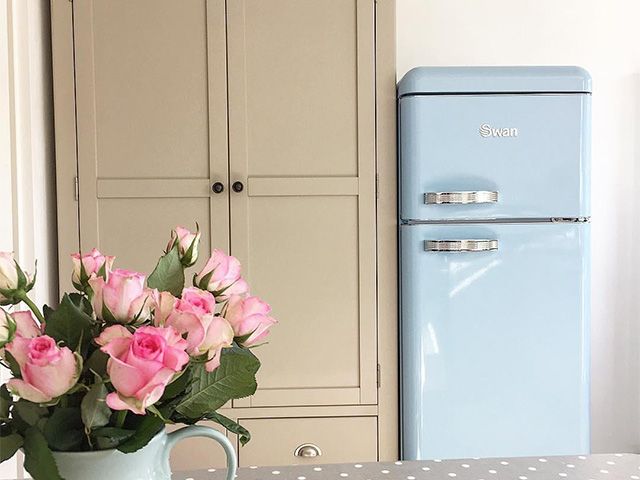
(201,431)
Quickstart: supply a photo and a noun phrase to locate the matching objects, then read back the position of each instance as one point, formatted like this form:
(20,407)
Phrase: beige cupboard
(269,122)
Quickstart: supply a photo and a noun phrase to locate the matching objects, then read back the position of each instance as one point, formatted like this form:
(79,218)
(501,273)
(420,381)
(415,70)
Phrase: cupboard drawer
(337,440)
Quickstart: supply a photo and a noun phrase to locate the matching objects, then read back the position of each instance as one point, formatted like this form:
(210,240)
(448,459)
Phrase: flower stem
(25,298)
(120,417)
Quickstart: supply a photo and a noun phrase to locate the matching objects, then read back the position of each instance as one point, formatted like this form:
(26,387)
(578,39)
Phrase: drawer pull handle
(460,245)
(460,198)
(307,450)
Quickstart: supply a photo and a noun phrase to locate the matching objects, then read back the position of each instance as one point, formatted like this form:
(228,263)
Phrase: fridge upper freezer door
(494,156)
(495,343)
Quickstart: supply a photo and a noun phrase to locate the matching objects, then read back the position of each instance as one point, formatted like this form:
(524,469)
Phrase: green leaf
(97,363)
(178,386)
(144,432)
(168,276)
(5,402)
(94,410)
(234,378)
(82,302)
(9,445)
(64,431)
(14,367)
(29,412)
(110,437)
(243,433)
(69,324)
(38,460)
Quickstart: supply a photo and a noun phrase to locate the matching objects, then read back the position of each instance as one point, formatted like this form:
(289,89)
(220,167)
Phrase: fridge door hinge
(377,186)
(378,375)
(76,189)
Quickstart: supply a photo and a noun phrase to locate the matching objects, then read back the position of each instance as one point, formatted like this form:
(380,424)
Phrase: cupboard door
(152,121)
(301,138)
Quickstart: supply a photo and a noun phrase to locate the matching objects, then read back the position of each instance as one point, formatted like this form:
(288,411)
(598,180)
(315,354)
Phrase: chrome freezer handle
(460,198)
(460,245)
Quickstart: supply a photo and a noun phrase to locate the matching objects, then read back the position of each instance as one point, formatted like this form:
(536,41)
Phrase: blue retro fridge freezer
(494,261)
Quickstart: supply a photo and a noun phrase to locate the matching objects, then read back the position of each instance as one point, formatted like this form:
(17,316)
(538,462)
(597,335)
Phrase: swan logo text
(487,130)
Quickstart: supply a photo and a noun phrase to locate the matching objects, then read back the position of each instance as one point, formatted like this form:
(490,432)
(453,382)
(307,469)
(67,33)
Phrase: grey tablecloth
(592,467)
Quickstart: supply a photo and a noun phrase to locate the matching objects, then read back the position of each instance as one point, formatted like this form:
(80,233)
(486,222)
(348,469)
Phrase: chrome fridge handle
(460,198)
(460,245)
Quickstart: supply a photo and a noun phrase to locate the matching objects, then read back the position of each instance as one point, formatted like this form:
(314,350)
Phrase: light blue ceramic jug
(148,463)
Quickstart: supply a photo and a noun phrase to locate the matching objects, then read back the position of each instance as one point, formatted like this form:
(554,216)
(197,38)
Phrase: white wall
(27,186)
(603,37)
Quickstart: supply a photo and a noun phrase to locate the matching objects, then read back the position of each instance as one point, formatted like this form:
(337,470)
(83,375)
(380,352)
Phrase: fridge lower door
(494,343)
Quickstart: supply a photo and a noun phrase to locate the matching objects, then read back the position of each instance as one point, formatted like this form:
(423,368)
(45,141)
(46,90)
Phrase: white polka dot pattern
(593,467)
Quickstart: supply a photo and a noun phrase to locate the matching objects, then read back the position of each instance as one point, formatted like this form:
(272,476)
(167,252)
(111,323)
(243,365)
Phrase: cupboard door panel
(301,138)
(339,439)
(127,227)
(311,242)
(152,121)
(301,81)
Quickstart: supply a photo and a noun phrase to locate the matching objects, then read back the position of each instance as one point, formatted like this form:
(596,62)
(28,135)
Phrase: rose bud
(90,264)
(14,282)
(206,333)
(123,298)
(187,243)
(221,276)
(249,318)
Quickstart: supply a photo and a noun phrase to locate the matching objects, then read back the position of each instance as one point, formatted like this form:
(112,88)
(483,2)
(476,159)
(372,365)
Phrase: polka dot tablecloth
(592,467)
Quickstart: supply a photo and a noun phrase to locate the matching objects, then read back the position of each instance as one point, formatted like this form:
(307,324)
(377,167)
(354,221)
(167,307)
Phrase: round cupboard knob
(217,187)
(237,187)
(307,450)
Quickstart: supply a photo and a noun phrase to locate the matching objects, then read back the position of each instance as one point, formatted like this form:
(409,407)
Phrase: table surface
(591,467)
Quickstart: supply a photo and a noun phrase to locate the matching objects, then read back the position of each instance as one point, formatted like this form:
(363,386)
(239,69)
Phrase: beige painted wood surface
(198,453)
(62,57)
(152,124)
(302,141)
(347,439)
(387,234)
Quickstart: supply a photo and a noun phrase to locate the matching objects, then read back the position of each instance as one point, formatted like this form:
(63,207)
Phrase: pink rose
(18,324)
(163,306)
(27,326)
(221,276)
(48,371)
(249,318)
(196,301)
(141,364)
(123,298)
(187,245)
(111,333)
(90,264)
(206,333)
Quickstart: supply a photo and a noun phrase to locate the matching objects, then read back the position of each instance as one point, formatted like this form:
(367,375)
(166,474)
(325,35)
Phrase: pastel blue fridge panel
(495,345)
(530,149)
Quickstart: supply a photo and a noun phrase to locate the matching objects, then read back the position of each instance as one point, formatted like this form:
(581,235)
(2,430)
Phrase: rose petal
(26,391)
(116,402)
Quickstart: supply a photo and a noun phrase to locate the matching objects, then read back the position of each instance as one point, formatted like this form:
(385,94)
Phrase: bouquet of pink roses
(119,359)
